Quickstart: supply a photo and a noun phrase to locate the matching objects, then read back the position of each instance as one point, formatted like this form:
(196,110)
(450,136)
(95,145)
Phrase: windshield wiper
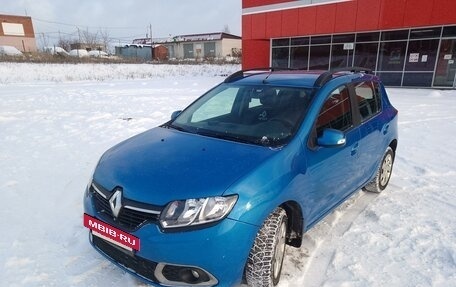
(225,136)
(178,128)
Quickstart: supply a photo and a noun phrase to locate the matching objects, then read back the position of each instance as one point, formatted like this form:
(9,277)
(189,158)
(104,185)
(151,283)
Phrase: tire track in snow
(308,265)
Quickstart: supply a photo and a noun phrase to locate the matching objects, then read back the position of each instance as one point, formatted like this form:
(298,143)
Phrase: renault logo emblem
(115,202)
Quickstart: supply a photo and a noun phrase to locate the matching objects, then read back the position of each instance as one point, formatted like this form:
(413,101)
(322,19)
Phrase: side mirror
(331,138)
(175,114)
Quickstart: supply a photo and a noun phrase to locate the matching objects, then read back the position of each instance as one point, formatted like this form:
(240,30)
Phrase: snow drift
(53,131)
(10,51)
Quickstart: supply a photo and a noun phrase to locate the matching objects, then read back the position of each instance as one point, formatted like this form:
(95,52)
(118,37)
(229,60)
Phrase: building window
(392,56)
(366,55)
(280,57)
(13,29)
(445,73)
(320,40)
(342,55)
(345,38)
(449,31)
(426,33)
(299,57)
(280,42)
(395,35)
(421,55)
(300,41)
(407,57)
(368,37)
(319,57)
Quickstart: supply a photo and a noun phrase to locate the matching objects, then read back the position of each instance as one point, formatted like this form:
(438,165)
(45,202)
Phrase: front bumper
(218,252)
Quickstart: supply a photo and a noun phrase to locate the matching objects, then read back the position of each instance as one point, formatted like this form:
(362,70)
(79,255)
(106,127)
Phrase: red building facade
(405,42)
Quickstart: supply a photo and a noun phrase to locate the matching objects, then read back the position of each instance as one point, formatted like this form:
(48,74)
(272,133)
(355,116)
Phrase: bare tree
(86,40)
(104,39)
(90,39)
(65,43)
(237,53)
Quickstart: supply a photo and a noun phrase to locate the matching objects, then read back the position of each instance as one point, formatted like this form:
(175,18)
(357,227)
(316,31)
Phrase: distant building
(17,31)
(142,52)
(138,52)
(160,52)
(88,46)
(198,46)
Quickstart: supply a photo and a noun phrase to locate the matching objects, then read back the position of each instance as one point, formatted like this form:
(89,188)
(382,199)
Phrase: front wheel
(381,180)
(264,264)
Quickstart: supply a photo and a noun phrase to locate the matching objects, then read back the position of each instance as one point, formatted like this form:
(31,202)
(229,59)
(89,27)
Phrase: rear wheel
(264,264)
(381,180)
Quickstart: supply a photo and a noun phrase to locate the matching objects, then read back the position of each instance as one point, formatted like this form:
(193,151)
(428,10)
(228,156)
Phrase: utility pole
(151,46)
(77,46)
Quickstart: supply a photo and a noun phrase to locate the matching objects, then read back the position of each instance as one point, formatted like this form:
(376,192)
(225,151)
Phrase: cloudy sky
(127,19)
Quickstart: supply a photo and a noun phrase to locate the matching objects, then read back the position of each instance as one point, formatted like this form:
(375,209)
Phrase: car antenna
(269,74)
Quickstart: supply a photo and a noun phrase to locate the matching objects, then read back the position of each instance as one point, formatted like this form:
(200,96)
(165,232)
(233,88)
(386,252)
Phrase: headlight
(183,213)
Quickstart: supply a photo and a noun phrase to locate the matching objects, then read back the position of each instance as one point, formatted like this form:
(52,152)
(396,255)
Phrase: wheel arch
(295,223)
(393,145)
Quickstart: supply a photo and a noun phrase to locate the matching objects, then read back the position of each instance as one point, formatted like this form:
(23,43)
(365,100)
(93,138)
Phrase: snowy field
(57,120)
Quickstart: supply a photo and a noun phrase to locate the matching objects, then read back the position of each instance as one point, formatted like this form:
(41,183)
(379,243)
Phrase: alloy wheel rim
(387,166)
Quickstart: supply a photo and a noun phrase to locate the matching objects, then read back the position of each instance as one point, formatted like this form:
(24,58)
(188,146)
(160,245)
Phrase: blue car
(212,197)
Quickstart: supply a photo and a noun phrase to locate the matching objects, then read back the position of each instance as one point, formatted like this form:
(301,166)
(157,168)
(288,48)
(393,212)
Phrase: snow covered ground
(56,121)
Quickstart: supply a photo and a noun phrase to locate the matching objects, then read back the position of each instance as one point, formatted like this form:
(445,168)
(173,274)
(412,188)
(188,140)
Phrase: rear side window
(336,112)
(368,99)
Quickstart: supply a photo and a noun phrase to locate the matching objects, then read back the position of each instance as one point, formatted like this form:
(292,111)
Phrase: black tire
(264,264)
(381,180)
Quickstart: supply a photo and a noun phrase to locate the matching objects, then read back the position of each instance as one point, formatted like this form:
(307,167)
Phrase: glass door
(446,64)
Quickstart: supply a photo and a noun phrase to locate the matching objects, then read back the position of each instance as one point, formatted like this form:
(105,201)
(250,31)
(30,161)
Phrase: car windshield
(262,115)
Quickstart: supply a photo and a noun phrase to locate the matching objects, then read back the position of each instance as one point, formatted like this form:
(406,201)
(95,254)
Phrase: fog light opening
(175,275)
(190,275)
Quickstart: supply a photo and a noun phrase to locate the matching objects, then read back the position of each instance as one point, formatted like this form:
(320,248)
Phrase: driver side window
(336,112)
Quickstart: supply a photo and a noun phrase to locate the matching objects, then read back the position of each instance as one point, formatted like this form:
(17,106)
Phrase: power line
(54,35)
(91,27)
(57,32)
(76,32)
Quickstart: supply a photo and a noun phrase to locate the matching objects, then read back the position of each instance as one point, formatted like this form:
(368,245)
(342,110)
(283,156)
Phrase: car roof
(293,78)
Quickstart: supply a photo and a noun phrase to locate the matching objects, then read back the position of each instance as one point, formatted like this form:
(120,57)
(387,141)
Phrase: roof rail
(327,76)
(240,74)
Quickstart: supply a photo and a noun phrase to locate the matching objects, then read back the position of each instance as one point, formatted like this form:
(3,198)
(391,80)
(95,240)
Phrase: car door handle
(385,129)
(354,149)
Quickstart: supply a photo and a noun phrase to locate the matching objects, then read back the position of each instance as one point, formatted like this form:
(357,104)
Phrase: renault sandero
(213,196)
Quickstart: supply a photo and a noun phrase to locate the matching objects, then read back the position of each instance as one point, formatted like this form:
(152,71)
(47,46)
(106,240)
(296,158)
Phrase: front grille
(128,218)
(141,266)
(132,219)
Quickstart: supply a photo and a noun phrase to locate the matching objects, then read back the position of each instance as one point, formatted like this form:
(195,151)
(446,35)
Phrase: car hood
(161,165)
